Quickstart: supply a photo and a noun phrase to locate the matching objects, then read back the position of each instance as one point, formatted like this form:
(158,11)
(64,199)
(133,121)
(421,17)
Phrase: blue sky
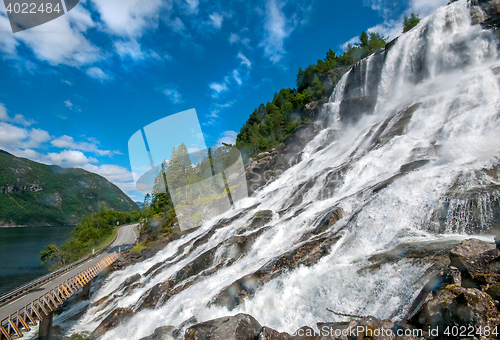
(74,90)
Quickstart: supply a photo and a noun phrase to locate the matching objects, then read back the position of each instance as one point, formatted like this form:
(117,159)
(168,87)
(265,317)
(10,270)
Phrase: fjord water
(20,253)
(387,178)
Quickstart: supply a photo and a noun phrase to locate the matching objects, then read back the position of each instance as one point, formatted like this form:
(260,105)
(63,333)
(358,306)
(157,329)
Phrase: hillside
(37,194)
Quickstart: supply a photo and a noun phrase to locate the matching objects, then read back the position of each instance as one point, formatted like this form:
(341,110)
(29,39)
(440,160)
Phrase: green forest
(271,123)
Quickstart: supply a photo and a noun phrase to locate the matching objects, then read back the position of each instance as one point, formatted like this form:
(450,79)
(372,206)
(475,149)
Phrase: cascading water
(433,125)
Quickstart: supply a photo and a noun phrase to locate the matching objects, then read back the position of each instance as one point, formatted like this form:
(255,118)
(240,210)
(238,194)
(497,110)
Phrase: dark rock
(454,276)
(160,333)
(484,281)
(238,327)
(494,291)
(497,242)
(332,330)
(111,321)
(153,295)
(352,109)
(270,334)
(370,326)
(129,281)
(260,219)
(454,305)
(473,257)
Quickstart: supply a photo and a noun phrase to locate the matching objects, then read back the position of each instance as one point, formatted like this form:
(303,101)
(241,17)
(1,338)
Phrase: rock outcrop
(238,327)
(111,321)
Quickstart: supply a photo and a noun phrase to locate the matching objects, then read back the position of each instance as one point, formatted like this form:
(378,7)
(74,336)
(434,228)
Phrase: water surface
(20,253)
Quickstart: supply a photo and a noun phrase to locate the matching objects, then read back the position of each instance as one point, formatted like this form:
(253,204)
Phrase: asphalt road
(126,236)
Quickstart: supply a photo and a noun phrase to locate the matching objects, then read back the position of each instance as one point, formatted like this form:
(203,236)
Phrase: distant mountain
(139,204)
(37,194)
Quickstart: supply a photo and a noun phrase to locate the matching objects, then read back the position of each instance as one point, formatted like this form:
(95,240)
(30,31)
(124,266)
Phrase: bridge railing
(4,298)
(35,311)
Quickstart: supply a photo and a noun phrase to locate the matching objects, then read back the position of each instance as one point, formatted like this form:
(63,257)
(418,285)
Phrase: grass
(105,241)
(139,247)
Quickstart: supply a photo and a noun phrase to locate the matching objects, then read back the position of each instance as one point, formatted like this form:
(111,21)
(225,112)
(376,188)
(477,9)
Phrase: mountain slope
(37,194)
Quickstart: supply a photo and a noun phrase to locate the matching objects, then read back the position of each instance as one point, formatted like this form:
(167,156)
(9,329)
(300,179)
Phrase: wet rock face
(270,334)
(161,333)
(455,305)
(238,327)
(469,293)
(361,88)
(307,254)
(473,257)
(111,321)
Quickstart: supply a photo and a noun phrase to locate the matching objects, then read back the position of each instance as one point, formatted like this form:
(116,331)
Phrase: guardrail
(4,298)
(35,311)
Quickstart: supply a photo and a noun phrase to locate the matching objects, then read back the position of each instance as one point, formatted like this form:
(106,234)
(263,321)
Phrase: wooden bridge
(34,303)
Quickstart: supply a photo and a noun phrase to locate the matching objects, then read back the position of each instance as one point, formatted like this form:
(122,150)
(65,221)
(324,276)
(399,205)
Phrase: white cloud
(353,41)
(70,158)
(173,95)
(244,60)
(13,137)
(216,19)
(8,42)
(128,18)
(218,87)
(68,104)
(237,78)
(3,113)
(66,82)
(277,30)
(18,118)
(116,174)
(234,38)
(67,142)
(97,73)
(193,6)
(62,40)
(228,137)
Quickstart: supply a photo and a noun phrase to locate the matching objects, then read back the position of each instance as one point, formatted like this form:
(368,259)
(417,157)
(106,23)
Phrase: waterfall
(432,123)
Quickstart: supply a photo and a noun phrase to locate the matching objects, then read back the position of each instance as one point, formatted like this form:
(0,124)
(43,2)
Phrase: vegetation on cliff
(270,124)
(410,22)
(32,193)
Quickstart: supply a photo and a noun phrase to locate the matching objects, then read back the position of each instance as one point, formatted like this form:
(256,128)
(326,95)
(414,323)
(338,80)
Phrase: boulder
(238,327)
(455,305)
(160,333)
(111,321)
(473,257)
(270,334)
(478,16)
(484,281)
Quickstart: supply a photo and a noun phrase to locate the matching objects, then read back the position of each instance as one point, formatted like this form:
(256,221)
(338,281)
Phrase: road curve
(126,236)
